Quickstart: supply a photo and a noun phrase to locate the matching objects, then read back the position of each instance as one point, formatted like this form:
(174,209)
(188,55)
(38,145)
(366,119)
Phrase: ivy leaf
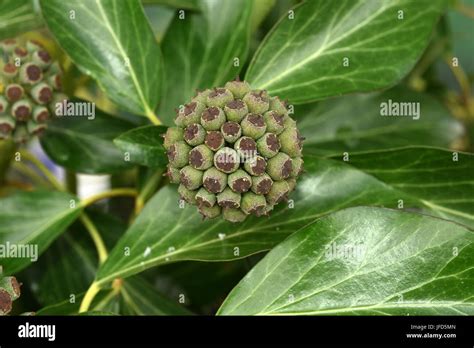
(331,48)
(144,145)
(354,123)
(113,42)
(16,17)
(33,220)
(200,50)
(84,145)
(179,4)
(363,261)
(440,180)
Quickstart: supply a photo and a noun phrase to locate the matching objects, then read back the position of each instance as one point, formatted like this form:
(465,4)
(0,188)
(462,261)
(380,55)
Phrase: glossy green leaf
(363,261)
(165,233)
(144,145)
(16,17)
(84,145)
(179,4)
(440,180)
(304,59)
(199,51)
(31,221)
(113,42)
(69,265)
(354,123)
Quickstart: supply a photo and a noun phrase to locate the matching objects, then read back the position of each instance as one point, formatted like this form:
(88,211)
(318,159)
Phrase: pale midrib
(125,58)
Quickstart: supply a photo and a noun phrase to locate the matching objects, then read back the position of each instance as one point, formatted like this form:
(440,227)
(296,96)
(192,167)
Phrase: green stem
(108,194)
(89,297)
(95,235)
(30,173)
(42,168)
(153,118)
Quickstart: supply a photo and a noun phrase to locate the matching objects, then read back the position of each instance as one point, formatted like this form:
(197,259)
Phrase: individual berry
(3,104)
(30,73)
(212,118)
(246,148)
(190,113)
(231,131)
(178,154)
(14,92)
(7,125)
(219,97)
(35,128)
(236,110)
(229,199)
(268,145)
(214,180)
(233,215)
(291,142)
(40,114)
(201,96)
(261,185)
(201,157)
(194,134)
(205,198)
(42,93)
(257,102)
(297,167)
(239,181)
(253,204)
(238,88)
(253,125)
(278,106)
(278,192)
(214,140)
(274,121)
(173,174)
(191,178)
(280,166)
(226,160)
(10,70)
(21,110)
(210,212)
(172,135)
(255,166)
(186,195)
(41,58)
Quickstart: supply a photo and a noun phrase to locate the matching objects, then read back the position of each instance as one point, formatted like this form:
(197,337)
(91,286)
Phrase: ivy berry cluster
(234,152)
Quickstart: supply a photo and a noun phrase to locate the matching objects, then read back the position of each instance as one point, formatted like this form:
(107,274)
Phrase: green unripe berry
(9,71)
(236,110)
(55,81)
(21,110)
(219,97)
(189,113)
(11,286)
(186,195)
(214,180)
(172,135)
(297,166)
(7,124)
(8,45)
(212,118)
(239,181)
(194,134)
(14,92)
(191,178)
(32,46)
(173,174)
(291,183)
(214,140)
(210,212)
(278,192)
(291,142)
(246,148)
(3,104)
(255,166)
(205,198)
(35,128)
(279,106)
(257,102)
(201,157)
(261,185)
(178,154)
(274,121)
(41,58)
(238,88)
(229,199)
(279,167)
(233,215)
(231,131)
(30,74)
(253,125)
(226,160)
(268,145)
(253,204)
(42,93)
(40,114)
(201,96)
